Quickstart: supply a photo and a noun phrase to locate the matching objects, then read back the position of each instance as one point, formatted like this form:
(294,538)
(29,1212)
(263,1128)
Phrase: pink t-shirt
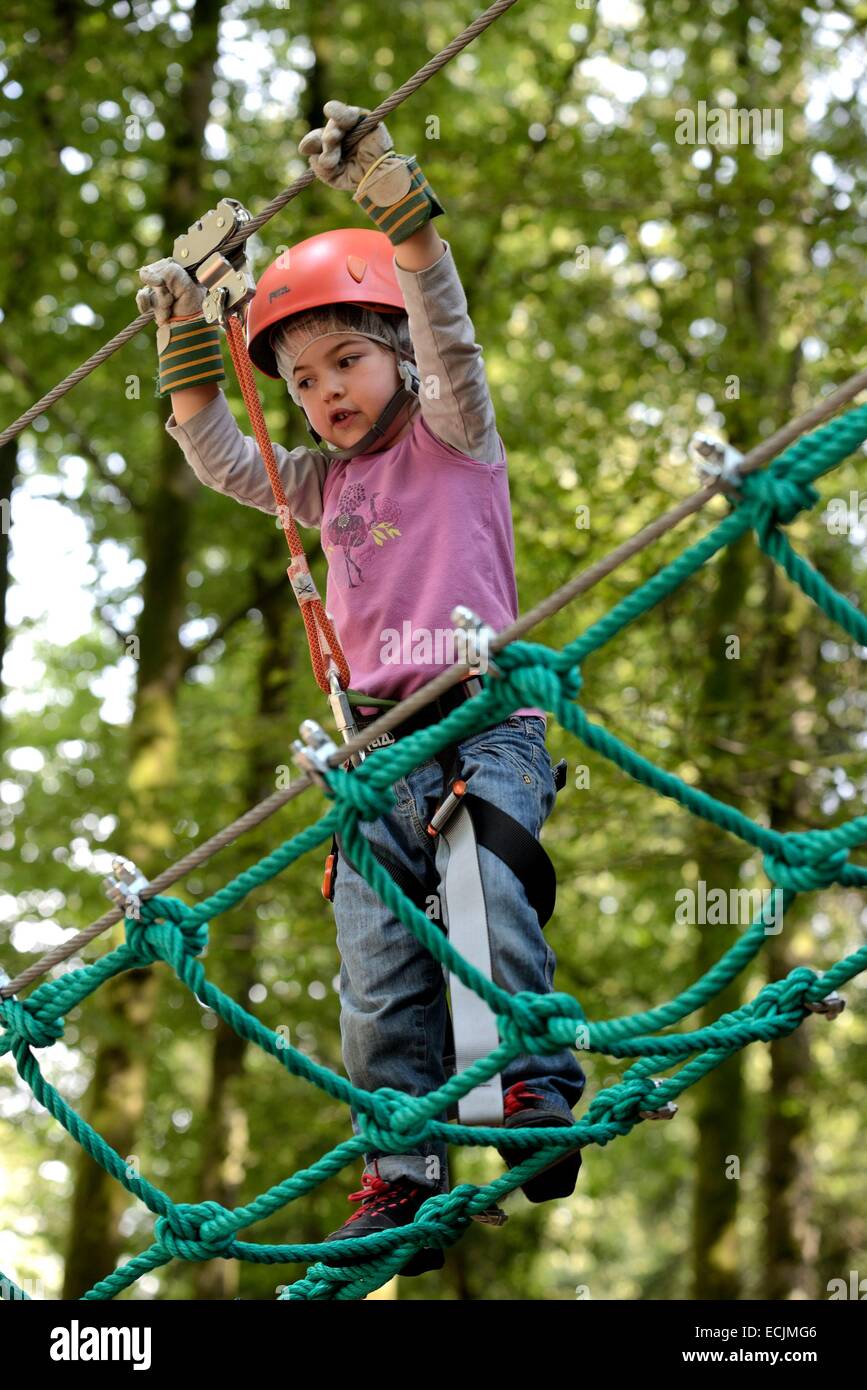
(410,532)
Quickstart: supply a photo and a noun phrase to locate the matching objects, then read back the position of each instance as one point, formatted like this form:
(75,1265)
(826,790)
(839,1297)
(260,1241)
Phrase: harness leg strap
(474,1024)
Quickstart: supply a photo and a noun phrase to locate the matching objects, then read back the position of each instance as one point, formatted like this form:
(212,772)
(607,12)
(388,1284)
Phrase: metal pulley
(225,276)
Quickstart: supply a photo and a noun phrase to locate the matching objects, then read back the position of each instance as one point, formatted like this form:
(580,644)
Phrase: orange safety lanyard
(325,649)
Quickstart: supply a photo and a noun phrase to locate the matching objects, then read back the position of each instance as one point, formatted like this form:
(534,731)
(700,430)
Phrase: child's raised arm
(454,395)
(191,366)
(230,462)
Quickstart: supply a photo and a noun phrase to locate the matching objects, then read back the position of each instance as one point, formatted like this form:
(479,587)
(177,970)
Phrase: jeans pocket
(511,742)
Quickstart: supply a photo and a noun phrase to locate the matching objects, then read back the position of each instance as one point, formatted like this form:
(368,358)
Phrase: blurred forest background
(618,279)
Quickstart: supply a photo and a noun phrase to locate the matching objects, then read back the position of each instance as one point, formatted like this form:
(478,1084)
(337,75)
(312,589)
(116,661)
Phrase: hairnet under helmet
(290,338)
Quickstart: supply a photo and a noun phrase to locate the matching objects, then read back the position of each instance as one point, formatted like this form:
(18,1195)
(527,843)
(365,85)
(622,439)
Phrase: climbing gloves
(189,348)
(389,187)
(415,205)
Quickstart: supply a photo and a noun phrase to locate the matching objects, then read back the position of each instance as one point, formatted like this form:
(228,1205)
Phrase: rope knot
(195,1231)
(398,1129)
(785,996)
(536,673)
(795,987)
(447,1213)
(776,499)
(29,1025)
(571,679)
(802,863)
(164,914)
(525,1026)
(620,1103)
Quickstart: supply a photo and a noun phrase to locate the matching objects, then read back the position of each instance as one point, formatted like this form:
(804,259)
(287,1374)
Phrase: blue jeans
(392,991)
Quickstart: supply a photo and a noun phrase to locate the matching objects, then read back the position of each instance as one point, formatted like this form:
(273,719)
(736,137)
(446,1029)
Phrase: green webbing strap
(358,697)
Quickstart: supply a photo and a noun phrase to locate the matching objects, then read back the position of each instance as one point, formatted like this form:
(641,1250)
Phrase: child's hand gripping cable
(189,347)
(389,187)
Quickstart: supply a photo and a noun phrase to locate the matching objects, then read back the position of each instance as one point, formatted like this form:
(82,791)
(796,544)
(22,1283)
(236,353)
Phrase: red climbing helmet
(351,265)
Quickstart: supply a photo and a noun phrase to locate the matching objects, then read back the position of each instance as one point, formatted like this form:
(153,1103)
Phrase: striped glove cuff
(418,206)
(190,354)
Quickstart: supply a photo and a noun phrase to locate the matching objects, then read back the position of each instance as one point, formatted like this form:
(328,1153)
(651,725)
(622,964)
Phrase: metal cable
(378,114)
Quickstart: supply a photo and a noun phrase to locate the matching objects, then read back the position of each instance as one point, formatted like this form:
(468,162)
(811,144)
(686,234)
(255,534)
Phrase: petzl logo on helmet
(275,294)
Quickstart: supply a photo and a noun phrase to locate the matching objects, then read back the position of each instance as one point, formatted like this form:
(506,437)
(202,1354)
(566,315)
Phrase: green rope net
(530,674)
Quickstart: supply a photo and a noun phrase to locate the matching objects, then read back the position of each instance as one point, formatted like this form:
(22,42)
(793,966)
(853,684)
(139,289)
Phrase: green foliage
(703,264)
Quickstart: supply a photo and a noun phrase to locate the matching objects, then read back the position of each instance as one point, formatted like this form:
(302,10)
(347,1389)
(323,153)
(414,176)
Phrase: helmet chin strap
(407,392)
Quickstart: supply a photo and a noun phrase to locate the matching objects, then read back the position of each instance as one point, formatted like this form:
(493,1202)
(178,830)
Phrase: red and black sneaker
(385,1205)
(559,1177)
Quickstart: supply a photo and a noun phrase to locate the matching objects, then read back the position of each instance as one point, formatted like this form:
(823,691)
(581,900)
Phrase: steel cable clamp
(832,1005)
(714,459)
(124,886)
(477,638)
(312,755)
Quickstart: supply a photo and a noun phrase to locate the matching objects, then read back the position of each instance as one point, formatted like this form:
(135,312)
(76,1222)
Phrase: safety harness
(452,891)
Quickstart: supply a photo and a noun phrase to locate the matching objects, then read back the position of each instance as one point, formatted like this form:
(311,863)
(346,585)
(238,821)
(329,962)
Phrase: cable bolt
(479,636)
(124,885)
(448,808)
(714,459)
(665,1112)
(832,1005)
(312,755)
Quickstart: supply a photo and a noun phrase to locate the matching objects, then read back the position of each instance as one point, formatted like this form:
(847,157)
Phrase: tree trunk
(224,1135)
(36,211)
(116,1096)
(717,1100)
(790,1236)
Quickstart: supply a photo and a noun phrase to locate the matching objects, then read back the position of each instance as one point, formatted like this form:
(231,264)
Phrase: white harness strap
(474,1024)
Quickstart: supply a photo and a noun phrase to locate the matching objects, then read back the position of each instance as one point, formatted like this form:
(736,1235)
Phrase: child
(413,506)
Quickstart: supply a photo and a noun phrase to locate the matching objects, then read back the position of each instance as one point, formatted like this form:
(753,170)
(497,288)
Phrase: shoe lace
(376,1193)
(517,1097)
